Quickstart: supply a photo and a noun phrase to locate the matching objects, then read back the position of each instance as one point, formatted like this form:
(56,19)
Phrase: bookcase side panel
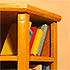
(23,42)
(54,45)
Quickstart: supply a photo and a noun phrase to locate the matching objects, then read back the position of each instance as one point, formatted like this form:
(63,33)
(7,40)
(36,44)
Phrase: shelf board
(8,58)
(41,59)
(32,58)
(36,14)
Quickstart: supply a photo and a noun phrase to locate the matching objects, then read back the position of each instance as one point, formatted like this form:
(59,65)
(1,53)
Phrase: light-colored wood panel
(41,59)
(36,14)
(54,45)
(46,45)
(12,5)
(23,42)
(42,13)
(32,58)
(8,58)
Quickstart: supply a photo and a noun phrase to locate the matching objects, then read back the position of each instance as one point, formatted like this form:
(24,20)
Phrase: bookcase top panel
(36,14)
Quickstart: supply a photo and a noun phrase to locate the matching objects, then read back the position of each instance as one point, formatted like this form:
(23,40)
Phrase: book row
(36,40)
(40,67)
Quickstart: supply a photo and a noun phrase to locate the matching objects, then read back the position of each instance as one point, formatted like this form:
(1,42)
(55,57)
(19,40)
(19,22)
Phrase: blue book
(30,35)
(48,68)
(44,29)
(43,67)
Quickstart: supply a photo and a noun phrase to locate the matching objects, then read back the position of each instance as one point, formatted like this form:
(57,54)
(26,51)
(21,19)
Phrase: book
(9,47)
(43,67)
(30,31)
(44,29)
(38,67)
(30,23)
(36,41)
(48,68)
(46,46)
(30,69)
(30,34)
(34,30)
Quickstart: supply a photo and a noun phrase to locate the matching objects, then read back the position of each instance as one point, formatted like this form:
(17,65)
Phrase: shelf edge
(8,58)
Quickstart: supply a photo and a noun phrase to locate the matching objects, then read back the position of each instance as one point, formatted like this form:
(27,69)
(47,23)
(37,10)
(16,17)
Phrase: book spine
(38,67)
(43,67)
(36,41)
(34,30)
(48,68)
(30,35)
(46,46)
(44,29)
(30,23)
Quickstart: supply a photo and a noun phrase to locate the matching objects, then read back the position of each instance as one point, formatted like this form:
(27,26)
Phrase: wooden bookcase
(14,13)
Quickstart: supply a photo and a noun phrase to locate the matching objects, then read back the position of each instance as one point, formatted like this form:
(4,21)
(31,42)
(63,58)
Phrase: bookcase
(16,13)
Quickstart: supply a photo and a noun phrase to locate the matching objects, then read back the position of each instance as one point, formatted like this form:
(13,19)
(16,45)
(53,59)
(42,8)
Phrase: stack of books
(40,67)
(37,38)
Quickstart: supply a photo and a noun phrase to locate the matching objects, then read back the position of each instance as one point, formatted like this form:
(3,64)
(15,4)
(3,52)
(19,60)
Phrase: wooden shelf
(32,58)
(41,59)
(8,58)
(9,14)
(36,14)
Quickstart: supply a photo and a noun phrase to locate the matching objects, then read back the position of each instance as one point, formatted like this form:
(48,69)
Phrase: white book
(38,67)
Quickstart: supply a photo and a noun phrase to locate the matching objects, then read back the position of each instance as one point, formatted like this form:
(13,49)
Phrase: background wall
(60,7)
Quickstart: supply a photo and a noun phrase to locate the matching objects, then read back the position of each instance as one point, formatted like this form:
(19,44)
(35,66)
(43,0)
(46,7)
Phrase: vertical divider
(23,42)
(54,45)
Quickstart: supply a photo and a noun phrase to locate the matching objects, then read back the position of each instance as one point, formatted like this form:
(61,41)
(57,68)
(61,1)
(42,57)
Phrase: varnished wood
(46,45)
(36,14)
(31,58)
(8,58)
(23,42)
(9,12)
(41,59)
(54,45)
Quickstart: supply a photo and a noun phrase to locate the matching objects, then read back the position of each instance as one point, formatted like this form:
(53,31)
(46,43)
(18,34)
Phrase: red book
(34,30)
